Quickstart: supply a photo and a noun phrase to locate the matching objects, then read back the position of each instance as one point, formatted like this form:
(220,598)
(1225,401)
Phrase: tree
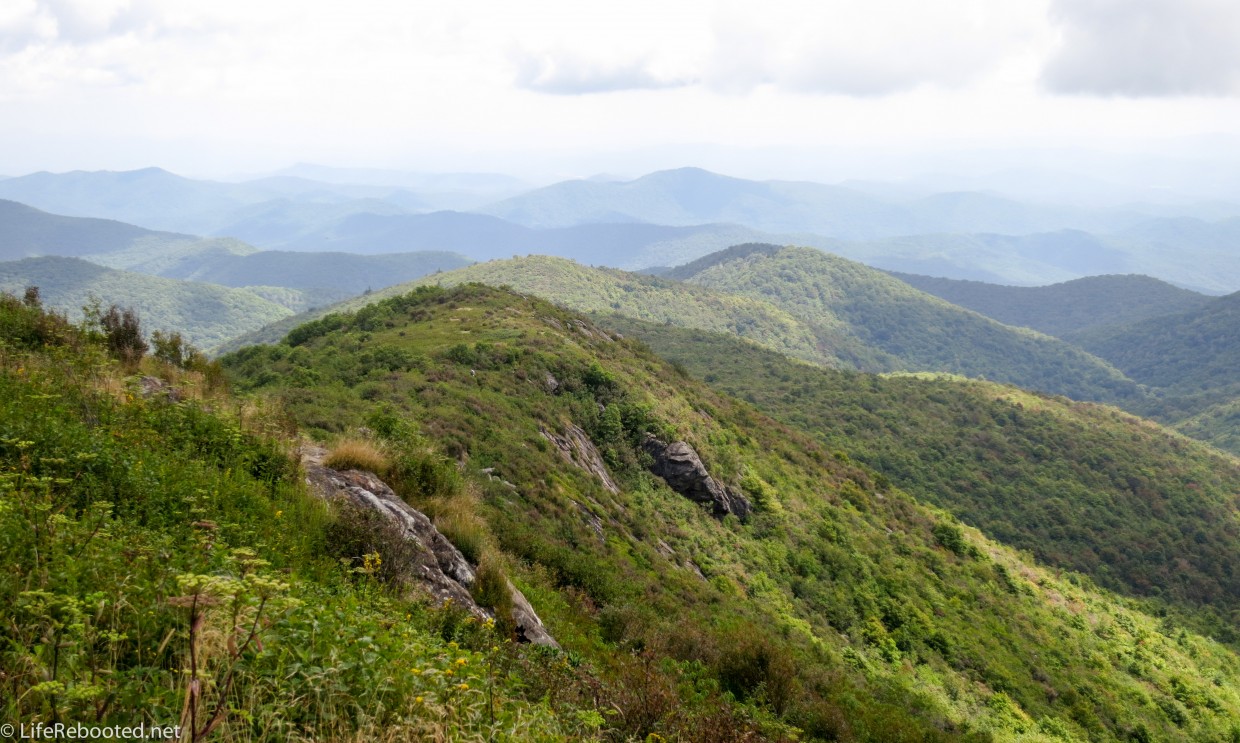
(123,333)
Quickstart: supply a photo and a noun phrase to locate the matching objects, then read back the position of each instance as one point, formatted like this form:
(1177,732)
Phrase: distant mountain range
(695,196)
(28,232)
(666,218)
(266,210)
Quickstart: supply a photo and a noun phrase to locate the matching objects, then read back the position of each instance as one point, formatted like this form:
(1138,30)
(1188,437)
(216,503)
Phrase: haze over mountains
(667,218)
(310,236)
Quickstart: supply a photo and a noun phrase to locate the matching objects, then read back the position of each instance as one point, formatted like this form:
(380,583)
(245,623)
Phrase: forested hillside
(206,314)
(1066,308)
(833,565)
(922,332)
(1140,509)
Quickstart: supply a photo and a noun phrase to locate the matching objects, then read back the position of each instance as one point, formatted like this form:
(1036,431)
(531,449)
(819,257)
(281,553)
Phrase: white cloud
(566,73)
(1146,48)
(879,48)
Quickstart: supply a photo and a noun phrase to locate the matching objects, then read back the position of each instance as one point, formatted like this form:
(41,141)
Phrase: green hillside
(854,611)
(806,304)
(205,314)
(1086,487)
(922,332)
(839,605)
(1069,307)
(1189,359)
(1186,352)
(646,297)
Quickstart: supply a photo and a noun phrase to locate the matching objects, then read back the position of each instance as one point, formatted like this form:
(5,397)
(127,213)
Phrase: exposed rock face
(679,465)
(577,448)
(442,570)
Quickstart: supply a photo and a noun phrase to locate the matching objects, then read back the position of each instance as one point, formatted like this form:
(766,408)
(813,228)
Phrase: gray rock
(441,570)
(529,627)
(681,468)
(576,447)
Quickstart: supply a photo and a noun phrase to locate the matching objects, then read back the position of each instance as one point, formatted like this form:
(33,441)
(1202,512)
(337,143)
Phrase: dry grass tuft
(356,454)
(457,517)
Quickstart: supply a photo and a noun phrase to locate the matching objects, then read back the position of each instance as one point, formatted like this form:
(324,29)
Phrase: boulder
(575,446)
(681,468)
(442,571)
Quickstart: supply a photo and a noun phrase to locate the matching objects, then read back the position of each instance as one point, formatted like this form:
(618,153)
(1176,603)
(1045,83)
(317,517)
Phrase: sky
(546,89)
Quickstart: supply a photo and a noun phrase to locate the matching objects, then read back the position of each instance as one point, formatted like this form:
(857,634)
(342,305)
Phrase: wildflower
(418,700)
(461,661)
(448,672)
(415,671)
(463,687)
(279,513)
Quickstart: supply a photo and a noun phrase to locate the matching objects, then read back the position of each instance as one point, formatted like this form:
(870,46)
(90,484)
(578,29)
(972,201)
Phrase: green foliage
(836,608)
(122,332)
(150,544)
(1085,487)
(915,331)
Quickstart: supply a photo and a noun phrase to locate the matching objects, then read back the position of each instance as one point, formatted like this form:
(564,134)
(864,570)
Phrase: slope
(871,322)
(1081,486)
(27,232)
(839,604)
(1184,352)
(156,532)
(924,333)
(647,297)
(1062,309)
(206,314)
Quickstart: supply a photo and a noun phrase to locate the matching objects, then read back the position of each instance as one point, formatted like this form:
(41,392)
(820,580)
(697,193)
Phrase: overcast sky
(551,88)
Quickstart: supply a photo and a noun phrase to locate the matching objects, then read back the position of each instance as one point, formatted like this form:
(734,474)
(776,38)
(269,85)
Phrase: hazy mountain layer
(328,277)
(695,196)
(1062,309)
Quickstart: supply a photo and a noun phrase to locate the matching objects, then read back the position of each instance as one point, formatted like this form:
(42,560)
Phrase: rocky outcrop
(681,468)
(576,447)
(440,569)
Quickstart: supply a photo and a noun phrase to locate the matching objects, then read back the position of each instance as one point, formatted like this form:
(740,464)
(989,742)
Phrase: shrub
(356,454)
(357,533)
(491,590)
(123,333)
